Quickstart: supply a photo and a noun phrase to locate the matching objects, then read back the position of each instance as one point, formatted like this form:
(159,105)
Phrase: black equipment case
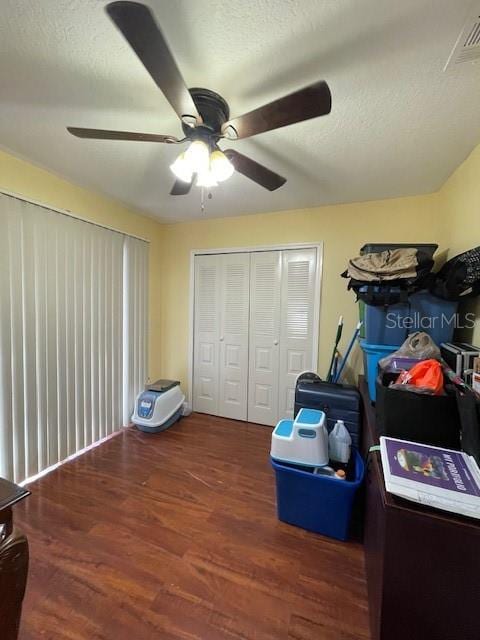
(337,401)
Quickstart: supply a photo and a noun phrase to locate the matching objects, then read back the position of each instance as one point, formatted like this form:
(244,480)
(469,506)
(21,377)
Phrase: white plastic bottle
(339,443)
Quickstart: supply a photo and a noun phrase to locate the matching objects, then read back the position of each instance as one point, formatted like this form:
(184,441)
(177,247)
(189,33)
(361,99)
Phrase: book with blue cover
(437,477)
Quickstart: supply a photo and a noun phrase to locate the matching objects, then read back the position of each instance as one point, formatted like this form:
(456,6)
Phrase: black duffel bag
(417,417)
(459,278)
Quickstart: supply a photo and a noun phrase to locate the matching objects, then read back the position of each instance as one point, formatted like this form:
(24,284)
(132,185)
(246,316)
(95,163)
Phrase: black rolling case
(338,401)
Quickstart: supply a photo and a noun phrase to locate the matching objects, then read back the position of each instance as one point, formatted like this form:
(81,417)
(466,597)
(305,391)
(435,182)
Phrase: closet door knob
(275,342)
(222,338)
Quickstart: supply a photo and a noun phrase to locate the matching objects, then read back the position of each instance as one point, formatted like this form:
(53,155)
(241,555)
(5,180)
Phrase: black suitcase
(338,401)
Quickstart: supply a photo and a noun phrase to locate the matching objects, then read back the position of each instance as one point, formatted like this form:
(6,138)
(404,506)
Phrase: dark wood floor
(174,536)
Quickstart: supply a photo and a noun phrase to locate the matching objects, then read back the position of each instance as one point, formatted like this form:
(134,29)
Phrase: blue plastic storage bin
(372,353)
(386,325)
(433,315)
(314,502)
(374,247)
(423,312)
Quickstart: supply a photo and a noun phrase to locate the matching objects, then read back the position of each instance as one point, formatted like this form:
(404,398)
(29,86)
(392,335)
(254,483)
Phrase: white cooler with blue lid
(159,406)
(301,441)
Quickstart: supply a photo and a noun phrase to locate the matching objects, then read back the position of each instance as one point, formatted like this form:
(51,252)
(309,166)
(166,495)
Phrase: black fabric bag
(418,417)
(337,401)
(469,411)
(384,295)
(459,278)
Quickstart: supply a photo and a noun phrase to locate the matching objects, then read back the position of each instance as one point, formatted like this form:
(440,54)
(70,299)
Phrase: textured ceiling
(399,124)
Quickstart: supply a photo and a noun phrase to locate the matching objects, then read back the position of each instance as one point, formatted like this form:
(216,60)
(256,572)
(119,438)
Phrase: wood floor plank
(175,536)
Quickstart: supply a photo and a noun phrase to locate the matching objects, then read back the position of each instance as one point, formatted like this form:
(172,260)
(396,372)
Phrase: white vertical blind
(135,305)
(72,300)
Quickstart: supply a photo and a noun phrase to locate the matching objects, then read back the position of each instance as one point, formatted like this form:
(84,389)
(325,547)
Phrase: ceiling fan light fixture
(206,179)
(182,168)
(220,166)
(198,157)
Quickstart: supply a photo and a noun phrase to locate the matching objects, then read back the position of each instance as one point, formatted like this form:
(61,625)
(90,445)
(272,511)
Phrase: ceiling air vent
(467,47)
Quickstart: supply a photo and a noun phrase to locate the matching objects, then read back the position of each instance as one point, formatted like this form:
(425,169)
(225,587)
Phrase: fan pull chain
(202,198)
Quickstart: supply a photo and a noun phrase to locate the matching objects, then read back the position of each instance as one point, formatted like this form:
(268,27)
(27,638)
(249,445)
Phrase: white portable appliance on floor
(159,406)
(301,441)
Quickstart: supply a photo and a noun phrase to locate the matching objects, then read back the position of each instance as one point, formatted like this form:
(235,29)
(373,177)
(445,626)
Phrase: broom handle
(350,347)
(337,340)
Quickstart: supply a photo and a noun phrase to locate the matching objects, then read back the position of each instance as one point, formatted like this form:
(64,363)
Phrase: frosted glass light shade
(220,166)
(206,179)
(198,156)
(181,168)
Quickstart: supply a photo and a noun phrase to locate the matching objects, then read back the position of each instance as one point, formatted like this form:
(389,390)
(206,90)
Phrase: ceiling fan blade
(105,134)
(309,102)
(137,24)
(255,171)
(181,188)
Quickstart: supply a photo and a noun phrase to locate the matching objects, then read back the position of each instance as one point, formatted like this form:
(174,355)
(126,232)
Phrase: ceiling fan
(203,113)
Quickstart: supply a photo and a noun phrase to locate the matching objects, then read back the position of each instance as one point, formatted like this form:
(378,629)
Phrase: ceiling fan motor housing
(214,111)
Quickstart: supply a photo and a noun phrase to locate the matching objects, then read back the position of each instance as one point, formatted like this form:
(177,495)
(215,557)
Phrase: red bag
(427,374)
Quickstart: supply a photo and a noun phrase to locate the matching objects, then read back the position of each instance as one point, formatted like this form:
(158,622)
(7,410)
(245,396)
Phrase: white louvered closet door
(265,285)
(296,322)
(206,334)
(233,352)
(253,332)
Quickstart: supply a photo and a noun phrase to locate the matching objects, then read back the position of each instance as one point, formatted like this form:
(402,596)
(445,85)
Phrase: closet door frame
(252,249)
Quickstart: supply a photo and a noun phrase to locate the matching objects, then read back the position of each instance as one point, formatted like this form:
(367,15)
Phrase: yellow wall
(31,182)
(343,230)
(450,217)
(460,198)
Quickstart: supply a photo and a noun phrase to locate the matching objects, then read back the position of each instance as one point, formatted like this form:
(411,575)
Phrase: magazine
(437,477)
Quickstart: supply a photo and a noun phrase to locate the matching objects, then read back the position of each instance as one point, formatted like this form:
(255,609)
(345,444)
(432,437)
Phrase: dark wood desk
(13,561)
(423,565)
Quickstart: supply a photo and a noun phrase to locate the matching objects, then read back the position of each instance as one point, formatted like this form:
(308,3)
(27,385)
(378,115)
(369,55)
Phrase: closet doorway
(254,327)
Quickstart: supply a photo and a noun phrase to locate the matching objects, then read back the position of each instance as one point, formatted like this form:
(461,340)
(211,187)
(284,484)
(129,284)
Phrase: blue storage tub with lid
(386,325)
(435,316)
(423,312)
(428,248)
(314,502)
(372,354)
